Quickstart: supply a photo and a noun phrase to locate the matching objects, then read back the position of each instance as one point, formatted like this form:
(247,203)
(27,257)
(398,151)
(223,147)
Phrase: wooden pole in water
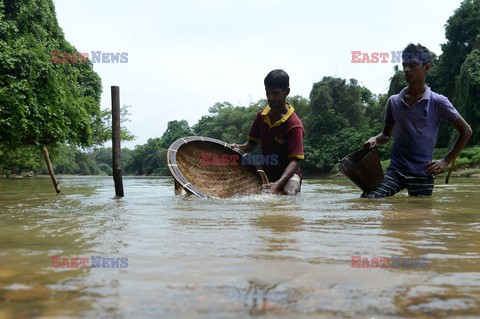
(116,145)
(450,171)
(56,184)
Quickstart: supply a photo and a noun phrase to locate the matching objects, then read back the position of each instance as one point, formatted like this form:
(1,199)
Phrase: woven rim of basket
(180,178)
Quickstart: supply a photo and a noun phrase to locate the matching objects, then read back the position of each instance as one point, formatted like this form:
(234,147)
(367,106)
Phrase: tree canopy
(468,92)
(462,32)
(43,103)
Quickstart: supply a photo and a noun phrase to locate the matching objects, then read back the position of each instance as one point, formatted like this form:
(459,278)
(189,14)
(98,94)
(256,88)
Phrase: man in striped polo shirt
(413,117)
(280,132)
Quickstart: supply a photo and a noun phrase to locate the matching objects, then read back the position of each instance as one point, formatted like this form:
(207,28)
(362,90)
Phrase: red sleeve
(254,134)
(295,142)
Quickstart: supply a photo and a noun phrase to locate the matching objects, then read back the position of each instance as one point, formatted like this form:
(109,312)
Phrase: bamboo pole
(116,145)
(56,184)
(450,171)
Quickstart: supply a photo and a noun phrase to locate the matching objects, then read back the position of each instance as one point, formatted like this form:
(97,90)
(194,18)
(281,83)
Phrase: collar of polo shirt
(280,121)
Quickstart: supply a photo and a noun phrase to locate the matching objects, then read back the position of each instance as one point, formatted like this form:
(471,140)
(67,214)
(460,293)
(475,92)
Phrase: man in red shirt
(280,132)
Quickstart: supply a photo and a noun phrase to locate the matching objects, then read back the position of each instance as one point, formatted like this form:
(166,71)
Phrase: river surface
(260,256)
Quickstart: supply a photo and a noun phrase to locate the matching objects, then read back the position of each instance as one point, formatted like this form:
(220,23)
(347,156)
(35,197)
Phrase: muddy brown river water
(166,256)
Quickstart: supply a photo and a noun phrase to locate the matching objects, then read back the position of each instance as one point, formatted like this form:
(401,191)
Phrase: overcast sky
(184,56)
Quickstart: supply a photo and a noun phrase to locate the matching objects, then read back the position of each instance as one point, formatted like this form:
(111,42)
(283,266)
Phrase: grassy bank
(466,165)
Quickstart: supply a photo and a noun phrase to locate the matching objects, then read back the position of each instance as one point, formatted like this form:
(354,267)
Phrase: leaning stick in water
(450,171)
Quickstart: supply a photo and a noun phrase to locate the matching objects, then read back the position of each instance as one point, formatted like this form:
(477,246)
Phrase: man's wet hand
(372,141)
(436,167)
(238,147)
(274,188)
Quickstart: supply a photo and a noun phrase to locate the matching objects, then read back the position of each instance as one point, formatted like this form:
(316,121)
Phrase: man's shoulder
(294,121)
(396,98)
(295,118)
(438,97)
(259,112)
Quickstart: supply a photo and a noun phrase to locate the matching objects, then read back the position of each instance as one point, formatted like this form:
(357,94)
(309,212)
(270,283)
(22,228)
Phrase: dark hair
(277,79)
(417,53)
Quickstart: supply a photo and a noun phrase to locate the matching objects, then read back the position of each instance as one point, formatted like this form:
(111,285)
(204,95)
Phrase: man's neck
(416,89)
(280,111)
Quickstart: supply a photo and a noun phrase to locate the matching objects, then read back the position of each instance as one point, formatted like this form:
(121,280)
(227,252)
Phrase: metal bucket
(363,168)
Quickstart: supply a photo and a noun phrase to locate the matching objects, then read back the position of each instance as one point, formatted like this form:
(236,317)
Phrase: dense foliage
(43,103)
(468,92)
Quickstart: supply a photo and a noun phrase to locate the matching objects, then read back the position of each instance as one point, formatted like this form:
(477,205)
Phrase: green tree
(147,159)
(43,104)
(468,92)
(397,82)
(103,126)
(301,105)
(227,122)
(17,160)
(462,31)
(64,160)
(336,123)
(175,130)
(105,169)
(344,98)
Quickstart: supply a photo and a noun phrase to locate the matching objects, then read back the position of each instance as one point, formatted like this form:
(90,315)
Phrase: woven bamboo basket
(184,160)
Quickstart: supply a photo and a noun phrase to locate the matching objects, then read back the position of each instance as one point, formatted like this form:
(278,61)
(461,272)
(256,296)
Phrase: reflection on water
(242,257)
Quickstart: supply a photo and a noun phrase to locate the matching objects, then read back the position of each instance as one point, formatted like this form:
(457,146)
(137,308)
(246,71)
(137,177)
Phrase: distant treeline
(339,115)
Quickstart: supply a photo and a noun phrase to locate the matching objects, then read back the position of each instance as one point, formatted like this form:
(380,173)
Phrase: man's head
(416,61)
(277,88)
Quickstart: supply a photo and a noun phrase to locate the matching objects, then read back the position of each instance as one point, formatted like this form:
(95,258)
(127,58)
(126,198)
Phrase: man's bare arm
(247,147)
(464,133)
(382,138)
(289,171)
(277,186)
